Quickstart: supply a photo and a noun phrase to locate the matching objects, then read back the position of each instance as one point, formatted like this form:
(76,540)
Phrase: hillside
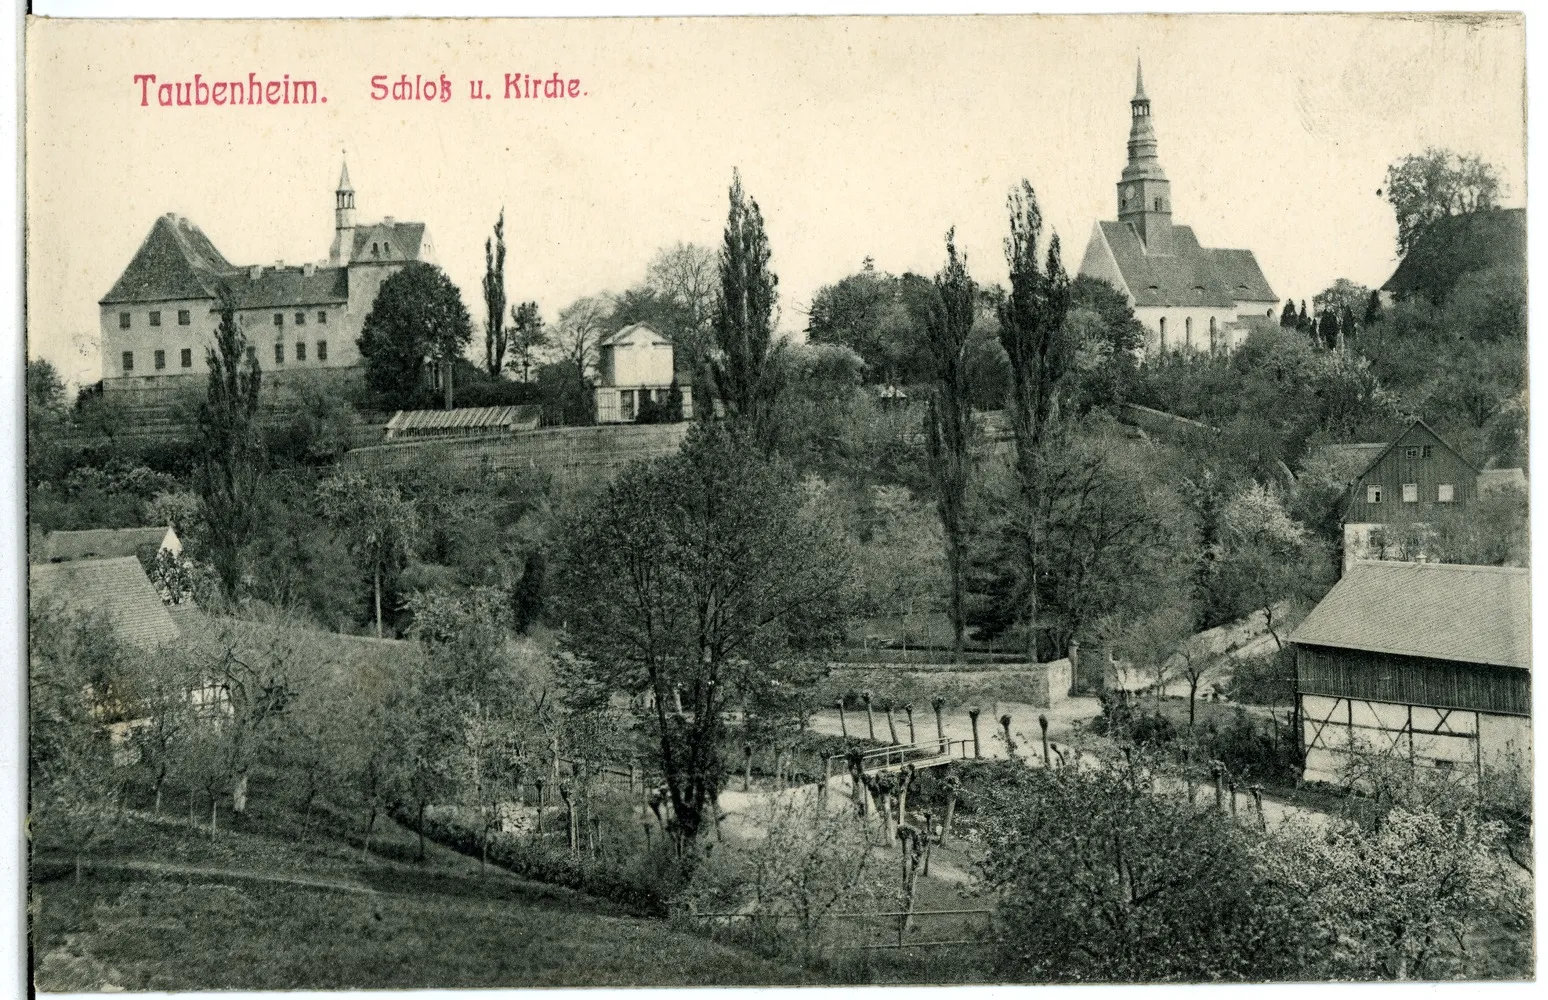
(166,908)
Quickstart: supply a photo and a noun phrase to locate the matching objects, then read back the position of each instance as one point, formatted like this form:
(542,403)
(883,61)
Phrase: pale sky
(857,136)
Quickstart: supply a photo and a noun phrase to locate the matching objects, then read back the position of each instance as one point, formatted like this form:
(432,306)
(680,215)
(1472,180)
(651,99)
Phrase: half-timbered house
(1428,663)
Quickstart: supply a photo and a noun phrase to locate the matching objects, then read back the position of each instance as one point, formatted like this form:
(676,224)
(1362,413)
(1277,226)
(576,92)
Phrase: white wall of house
(1453,741)
(644,358)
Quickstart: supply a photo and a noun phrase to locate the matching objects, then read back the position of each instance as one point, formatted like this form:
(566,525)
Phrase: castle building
(1189,297)
(302,321)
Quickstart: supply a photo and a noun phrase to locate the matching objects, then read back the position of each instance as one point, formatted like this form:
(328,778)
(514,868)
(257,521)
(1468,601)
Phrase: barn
(1428,662)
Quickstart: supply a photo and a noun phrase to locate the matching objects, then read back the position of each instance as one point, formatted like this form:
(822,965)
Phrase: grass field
(220,917)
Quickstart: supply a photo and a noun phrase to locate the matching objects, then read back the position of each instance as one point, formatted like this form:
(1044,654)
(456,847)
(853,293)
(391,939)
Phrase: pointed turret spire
(343,220)
(1139,80)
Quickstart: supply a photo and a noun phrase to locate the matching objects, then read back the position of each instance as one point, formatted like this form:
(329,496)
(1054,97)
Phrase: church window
(123,321)
(300,319)
(376,250)
(387,249)
(187,358)
(322,350)
(155,317)
(1188,331)
(128,361)
(1163,333)
(161,360)
(184,317)
(279,354)
(1158,204)
(322,316)
(279,319)
(300,350)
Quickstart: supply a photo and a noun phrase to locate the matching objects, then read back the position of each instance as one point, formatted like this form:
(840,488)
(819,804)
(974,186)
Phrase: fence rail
(923,752)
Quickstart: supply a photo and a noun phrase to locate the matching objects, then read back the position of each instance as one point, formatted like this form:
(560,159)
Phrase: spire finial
(1139,80)
(344,174)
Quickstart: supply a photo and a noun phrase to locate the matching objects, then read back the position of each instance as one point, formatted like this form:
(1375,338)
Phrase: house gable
(1419,458)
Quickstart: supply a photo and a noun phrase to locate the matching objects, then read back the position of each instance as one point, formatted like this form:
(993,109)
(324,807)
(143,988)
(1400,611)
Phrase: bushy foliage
(1099,877)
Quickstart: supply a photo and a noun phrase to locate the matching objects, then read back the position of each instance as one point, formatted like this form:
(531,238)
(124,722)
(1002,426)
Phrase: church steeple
(1144,193)
(343,220)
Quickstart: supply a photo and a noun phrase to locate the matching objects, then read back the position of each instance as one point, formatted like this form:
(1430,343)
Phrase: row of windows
(300,320)
(300,355)
(185,356)
(1188,331)
(185,318)
(1417,451)
(1444,493)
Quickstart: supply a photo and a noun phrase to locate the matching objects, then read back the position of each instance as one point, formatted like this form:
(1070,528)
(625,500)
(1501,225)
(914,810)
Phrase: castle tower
(343,221)
(1144,193)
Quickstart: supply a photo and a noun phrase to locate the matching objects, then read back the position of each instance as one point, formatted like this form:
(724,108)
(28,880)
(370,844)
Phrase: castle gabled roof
(1191,275)
(388,242)
(284,287)
(1470,614)
(176,261)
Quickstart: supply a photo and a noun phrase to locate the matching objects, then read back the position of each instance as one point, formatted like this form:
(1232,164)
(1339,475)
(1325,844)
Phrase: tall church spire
(1144,193)
(343,220)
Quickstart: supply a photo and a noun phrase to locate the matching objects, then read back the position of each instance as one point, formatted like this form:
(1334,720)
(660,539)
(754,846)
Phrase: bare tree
(689,274)
(581,325)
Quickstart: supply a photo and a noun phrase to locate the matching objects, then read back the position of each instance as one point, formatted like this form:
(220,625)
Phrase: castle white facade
(159,319)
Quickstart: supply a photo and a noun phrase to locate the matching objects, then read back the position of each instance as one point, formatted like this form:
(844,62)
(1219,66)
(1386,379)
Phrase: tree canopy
(418,316)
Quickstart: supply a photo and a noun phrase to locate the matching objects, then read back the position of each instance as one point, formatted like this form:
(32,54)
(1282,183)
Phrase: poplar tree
(230,460)
(745,372)
(1033,335)
(494,299)
(948,324)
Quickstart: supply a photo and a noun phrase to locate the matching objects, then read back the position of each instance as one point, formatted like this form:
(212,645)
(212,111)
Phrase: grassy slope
(436,924)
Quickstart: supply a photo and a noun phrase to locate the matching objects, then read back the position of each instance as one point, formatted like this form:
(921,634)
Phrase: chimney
(254,272)
(279,265)
(308,269)
(388,221)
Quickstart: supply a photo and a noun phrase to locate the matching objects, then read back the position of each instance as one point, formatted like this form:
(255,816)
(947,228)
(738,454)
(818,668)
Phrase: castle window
(322,316)
(279,319)
(155,317)
(322,350)
(187,358)
(252,353)
(300,350)
(128,362)
(123,321)
(1445,493)
(300,319)
(279,354)
(161,360)
(184,317)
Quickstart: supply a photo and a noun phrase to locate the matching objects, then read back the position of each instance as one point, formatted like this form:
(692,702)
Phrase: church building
(1189,297)
(301,320)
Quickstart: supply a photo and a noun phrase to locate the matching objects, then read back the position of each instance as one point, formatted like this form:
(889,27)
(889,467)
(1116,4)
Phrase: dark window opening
(155,317)
(279,319)
(128,361)
(161,360)
(300,350)
(279,354)
(300,319)
(187,359)
(123,321)
(322,350)
(184,317)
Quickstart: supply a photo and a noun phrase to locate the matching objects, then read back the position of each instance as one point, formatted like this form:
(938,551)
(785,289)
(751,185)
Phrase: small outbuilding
(1428,662)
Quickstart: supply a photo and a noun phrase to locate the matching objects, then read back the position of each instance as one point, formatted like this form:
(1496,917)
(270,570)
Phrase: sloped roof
(282,287)
(115,588)
(313,651)
(466,418)
(1190,275)
(1454,245)
(393,242)
(626,332)
(176,261)
(99,543)
(1352,460)
(1471,614)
